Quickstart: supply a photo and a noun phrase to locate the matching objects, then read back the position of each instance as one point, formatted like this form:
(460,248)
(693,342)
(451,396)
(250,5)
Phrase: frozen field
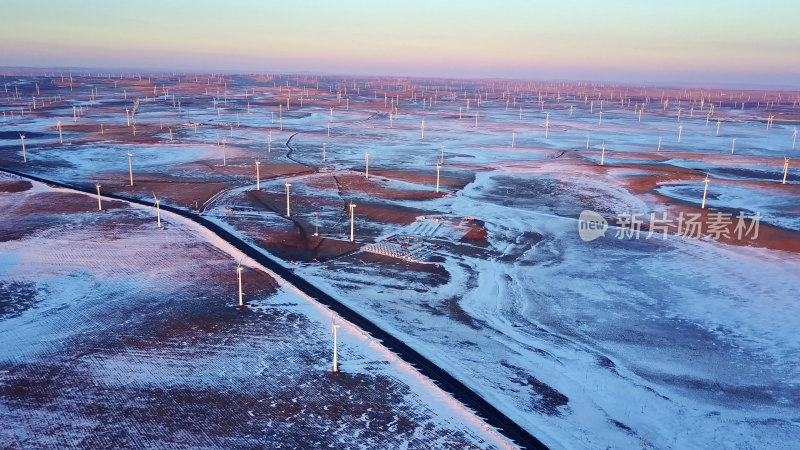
(118,334)
(682,342)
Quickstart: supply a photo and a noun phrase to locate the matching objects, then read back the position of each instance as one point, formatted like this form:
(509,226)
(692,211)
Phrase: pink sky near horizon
(729,42)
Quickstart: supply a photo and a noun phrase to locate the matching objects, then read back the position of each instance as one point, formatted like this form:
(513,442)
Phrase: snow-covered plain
(679,343)
(115,333)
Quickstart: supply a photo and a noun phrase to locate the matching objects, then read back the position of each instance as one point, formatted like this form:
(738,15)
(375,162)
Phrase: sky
(727,42)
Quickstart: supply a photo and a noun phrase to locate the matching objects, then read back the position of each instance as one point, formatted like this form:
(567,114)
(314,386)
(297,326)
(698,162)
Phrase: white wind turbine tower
(366,156)
(288,211)
(224,160)
(158,210)
(794,138)
(546,125)
(785,168)
(58,125)
(352,215)
(438,168)
(705,191)
(335,329)
(130,167)
(316,223)
(239,269)
(603,154)
(99,204)
(24,156)
(258,176)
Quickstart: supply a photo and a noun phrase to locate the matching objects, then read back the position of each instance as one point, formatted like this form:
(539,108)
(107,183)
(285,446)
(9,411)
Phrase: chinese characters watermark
(715,225)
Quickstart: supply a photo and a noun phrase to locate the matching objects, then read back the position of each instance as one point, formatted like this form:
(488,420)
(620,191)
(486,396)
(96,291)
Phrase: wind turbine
(258,176)
(546,125)
(335,328)
(99,205)
(367,166)
(224,161)
(438,168)
(239,269)
(158,209)
(785,168)
(58,125)
(130,166)
(352,215)
(288,211)
(24,156)
(705,190)
(603,154)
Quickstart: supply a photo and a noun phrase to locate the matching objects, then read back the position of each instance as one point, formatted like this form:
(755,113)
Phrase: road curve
(442,378)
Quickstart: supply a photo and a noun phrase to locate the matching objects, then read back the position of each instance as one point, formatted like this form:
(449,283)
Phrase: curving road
(442,378)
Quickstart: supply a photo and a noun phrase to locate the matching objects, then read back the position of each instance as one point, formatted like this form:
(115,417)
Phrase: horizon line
(652,83)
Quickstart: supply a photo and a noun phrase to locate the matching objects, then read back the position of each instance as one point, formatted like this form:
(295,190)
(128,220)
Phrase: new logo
(591,225)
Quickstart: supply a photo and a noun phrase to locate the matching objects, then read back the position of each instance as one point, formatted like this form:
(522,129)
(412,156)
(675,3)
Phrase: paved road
(443,379)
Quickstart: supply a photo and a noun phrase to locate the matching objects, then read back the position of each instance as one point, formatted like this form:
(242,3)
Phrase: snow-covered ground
(679,343)
(118,334)
(583,337)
